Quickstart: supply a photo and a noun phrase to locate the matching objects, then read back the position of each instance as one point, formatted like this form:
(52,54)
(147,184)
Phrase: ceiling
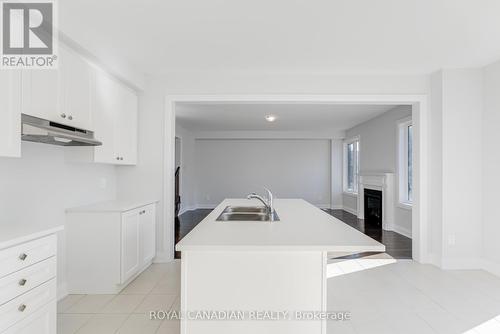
(321,36)
(290,117)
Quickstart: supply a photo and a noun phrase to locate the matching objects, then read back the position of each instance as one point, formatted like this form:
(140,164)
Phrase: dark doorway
(373,208)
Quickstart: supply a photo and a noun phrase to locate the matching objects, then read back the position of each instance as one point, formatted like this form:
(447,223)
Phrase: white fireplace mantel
(383,182)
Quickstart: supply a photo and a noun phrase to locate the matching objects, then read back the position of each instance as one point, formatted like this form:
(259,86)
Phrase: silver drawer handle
(21,308)
(70,117)
(22,282)
(63,115)
(23,257)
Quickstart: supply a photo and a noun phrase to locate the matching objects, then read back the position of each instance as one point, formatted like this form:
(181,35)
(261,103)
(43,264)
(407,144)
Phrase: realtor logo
(28,36)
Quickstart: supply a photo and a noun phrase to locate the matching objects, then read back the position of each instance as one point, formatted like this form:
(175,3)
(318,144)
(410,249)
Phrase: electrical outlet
(451,240)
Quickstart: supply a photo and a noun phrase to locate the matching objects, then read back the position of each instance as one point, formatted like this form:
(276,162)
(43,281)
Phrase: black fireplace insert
(373,208)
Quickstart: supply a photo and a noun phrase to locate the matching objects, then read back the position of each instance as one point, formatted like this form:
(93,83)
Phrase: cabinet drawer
(26,305)
(24,255)
(26,279)
(42,321)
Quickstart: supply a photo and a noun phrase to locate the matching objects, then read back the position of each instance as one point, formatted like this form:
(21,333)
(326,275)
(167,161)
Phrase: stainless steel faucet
(268,202)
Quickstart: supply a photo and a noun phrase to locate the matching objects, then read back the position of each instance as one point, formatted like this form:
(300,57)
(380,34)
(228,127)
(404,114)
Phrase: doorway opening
(418,107)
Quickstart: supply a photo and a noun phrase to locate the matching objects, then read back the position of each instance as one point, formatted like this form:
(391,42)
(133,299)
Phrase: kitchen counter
(13,234)
(112,206)
(268,267)
(302,226)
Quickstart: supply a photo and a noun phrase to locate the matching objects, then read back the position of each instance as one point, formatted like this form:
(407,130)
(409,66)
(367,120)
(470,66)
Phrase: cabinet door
(77,90)
(126,127)
(106,104)
(41,94)
(10,113)
(130,245)
(148,233)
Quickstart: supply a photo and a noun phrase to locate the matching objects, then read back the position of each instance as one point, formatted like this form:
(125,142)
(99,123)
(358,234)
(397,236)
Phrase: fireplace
(373,208)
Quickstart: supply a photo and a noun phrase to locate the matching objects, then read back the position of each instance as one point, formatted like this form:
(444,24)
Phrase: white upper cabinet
(77,77)
(41,94)
(115,121)
(105,105)
(10,113)
(62,95)
(126,127)
(76,94)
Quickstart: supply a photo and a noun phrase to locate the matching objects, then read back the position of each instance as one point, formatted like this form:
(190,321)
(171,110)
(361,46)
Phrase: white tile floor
(157,288)
(403,298)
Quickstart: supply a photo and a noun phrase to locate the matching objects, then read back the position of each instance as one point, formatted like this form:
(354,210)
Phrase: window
(351,165)
(405,168)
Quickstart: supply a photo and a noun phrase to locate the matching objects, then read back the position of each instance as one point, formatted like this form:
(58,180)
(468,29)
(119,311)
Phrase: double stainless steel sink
(247,213)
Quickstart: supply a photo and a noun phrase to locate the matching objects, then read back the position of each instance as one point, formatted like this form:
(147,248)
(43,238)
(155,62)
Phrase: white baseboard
(163,257)
(462,263)
(402,230)
(350,210)
(431,258)
(62,291)
(491,267)
(337,207)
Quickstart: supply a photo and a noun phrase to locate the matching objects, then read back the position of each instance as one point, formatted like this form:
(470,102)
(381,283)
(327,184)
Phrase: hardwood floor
(186,222)
(397,245)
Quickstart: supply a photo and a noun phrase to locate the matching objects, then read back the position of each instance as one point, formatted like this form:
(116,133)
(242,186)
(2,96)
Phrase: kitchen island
(275,268)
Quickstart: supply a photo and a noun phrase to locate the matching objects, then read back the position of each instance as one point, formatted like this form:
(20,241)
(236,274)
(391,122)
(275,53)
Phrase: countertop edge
(295,248)
(30,236)
(114,206)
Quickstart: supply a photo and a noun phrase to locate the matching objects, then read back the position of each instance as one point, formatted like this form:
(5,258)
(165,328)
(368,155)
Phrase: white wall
(289,168)
(435,242)
(37,188)
(379,153)
(491,167)
(462,172)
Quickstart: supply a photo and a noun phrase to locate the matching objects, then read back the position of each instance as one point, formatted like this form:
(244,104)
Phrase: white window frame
(403,197)
(347,191)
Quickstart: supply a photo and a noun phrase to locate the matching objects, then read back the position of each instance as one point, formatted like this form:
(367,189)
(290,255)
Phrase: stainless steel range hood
(43,131)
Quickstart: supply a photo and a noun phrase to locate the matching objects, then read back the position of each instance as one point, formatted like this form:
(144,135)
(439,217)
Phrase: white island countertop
(302,226)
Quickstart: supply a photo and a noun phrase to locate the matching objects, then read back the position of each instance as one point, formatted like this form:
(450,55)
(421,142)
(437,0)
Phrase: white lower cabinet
(42,321)
(147,233)
(108,246)
(130,245)
(28,287)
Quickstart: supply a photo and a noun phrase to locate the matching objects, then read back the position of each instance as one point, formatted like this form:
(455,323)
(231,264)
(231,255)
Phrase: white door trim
(420,115)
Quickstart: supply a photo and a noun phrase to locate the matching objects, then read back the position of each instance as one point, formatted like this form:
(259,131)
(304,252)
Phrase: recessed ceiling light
(270,118)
